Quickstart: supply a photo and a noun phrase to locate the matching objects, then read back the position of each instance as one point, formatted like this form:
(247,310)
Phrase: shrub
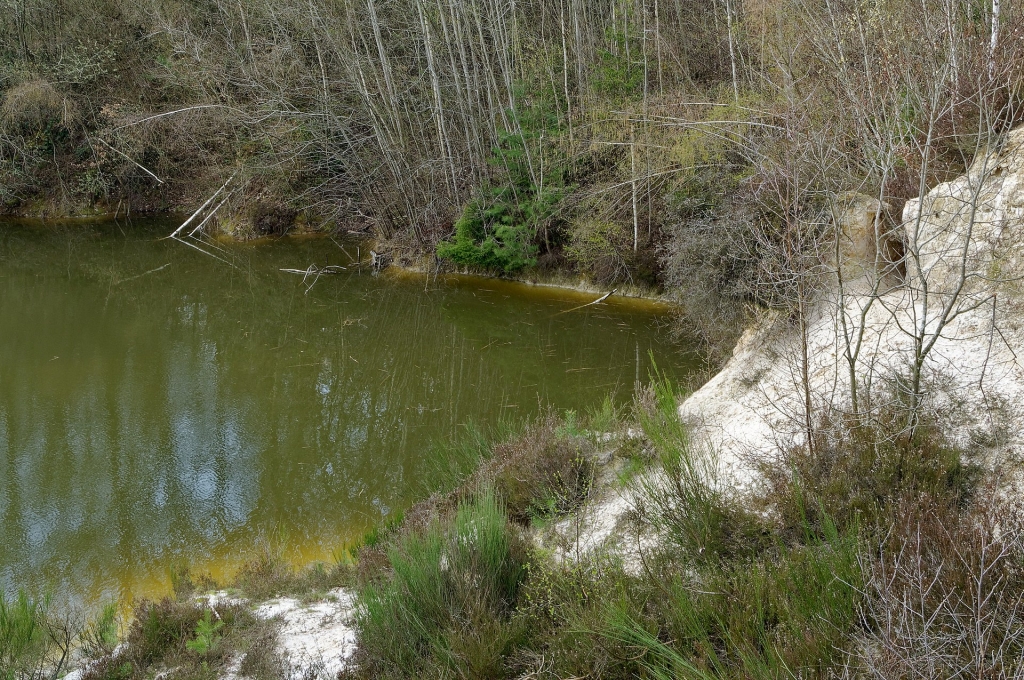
(21,634)
(945,594)
(498,230)
(491,237)
(447,598)
(545,472)
(32,106)
(866,472)
(161,629)
(207,634)
(789,616)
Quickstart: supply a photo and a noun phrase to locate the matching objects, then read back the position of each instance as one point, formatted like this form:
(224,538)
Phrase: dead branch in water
(316,272)
(598,300)
(203,207)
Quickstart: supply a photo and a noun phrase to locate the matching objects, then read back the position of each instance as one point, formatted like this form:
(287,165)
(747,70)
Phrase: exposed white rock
(969,234)
(315,638)
(754,406)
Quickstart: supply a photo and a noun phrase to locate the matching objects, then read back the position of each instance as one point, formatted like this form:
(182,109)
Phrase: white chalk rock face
(965,242)
(973,221)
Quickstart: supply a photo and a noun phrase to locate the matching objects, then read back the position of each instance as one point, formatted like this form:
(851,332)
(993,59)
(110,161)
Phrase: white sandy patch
(317,637)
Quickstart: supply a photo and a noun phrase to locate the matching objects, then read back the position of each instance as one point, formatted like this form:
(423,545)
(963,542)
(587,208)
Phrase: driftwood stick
(209,215)
(313,269)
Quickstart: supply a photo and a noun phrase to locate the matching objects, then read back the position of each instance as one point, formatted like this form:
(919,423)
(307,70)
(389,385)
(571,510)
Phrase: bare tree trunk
(632,184)
(435,82)
(994,40)
(732,49)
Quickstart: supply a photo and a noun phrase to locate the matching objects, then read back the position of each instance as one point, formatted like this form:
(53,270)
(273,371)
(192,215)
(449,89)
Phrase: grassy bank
(854,558)
(866,554)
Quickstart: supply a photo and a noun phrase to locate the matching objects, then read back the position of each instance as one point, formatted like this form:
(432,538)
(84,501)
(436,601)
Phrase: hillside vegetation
(841,501)
(690,145)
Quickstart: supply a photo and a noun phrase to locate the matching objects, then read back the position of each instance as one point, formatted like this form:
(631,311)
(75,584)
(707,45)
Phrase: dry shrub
(265,576)
(942,554)
(863,473)
(946,594)
(185,583)
(262,662)
(272,220)
(161,629)
(542,473)
(32,105)
(161,633)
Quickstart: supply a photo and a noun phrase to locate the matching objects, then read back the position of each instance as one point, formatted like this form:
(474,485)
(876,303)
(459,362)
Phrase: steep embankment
(956,303)
(955,300)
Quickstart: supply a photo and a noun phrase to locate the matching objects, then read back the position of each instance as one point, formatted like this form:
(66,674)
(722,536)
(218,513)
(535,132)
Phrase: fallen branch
(171,113)
(138,276)
(315,272)
(132,161)
(207,218)
(203,207)
(313,269)
(598,300)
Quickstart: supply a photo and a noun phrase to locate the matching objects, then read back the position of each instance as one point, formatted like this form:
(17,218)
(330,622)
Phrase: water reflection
(156,404)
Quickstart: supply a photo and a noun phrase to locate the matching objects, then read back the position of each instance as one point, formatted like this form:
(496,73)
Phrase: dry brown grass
(30,106)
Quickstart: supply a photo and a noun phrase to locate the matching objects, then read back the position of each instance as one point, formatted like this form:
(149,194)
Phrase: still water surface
(158,405)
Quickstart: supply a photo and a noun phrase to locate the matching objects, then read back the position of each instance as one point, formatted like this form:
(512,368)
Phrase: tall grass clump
(445,598)
(789,616)
(682,497)
(21,637)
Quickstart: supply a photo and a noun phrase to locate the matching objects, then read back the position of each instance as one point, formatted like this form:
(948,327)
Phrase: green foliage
(207,634)
(21,633)
(685,498)
(449,463)
(498,229)
(615,76)
(604,418)
(788,616)
(101,636)
(447,597)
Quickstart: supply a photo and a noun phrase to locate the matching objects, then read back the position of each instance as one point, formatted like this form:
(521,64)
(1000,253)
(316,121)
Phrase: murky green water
(157,404)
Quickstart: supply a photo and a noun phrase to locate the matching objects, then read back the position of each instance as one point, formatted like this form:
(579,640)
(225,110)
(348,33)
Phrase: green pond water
(160,405)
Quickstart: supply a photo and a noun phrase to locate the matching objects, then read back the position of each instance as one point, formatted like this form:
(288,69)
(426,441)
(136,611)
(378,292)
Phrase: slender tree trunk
(632,162)
(732,49)
(994,40)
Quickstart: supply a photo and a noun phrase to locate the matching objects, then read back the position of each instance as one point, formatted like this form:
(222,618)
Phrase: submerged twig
(137,276)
